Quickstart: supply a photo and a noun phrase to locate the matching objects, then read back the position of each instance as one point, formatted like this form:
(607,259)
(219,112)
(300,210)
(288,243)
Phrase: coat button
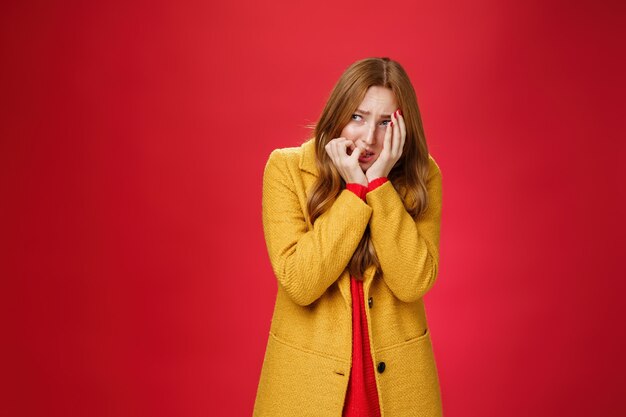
(370,301)
(381,367)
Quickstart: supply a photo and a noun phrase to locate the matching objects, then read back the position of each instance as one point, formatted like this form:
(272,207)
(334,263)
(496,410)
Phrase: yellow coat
(308,354)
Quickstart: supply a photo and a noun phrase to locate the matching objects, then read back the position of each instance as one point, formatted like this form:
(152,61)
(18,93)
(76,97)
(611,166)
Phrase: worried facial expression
(368,123)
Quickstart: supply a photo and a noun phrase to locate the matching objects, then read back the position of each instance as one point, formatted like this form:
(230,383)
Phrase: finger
(336,153)
(387,139)
(340,152)
(342,148)
(351,147)
(402,127)
(330,150)
(395,139)
(401,123)
(356,153)
(335,141)
(348,142)
(402,140)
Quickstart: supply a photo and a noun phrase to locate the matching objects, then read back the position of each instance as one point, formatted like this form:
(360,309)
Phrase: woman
(351,219)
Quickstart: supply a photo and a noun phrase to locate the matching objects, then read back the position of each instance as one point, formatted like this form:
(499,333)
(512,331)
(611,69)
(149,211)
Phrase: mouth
(366,156)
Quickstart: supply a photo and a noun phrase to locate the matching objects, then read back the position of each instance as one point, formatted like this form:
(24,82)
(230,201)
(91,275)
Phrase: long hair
(410,172)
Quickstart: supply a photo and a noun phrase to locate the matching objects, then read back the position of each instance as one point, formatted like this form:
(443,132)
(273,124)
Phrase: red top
(362,395)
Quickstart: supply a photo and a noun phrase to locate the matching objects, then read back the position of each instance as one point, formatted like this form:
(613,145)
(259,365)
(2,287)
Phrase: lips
(366,157)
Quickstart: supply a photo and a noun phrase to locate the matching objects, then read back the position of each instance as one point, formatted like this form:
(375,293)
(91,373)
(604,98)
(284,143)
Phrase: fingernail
(391,124)
(400,112)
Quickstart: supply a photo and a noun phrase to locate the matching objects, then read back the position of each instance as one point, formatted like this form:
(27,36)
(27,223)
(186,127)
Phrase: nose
(370,136)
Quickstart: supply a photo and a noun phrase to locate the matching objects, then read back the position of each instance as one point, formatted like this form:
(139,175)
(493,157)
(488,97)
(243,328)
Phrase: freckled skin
(369,130)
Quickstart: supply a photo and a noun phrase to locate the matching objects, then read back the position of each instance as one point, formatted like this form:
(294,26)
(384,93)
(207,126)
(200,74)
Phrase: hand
(393,145)
(347,165)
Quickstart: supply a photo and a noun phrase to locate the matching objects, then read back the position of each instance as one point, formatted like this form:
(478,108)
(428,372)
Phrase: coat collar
(307,159)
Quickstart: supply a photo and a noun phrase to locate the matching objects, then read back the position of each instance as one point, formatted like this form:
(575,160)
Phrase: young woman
(351,219)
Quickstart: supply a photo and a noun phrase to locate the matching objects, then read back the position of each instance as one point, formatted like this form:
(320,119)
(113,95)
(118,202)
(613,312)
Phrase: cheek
(348,132)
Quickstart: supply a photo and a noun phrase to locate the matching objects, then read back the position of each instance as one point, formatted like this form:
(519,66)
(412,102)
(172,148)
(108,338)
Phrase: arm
(306,262)
(408,250)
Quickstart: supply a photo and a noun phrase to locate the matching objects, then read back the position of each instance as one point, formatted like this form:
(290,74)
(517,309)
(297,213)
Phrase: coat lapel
(307,160)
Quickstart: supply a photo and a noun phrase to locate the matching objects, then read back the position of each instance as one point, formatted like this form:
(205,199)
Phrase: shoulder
(433,168)
(287,158)
(434,182)
(285,155)
(292,156)
(292,153)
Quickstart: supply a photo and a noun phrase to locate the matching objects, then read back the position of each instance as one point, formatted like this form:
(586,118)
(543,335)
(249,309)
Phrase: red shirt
(362,395)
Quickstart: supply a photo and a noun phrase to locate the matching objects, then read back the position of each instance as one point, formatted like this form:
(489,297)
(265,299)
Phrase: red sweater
(362,395)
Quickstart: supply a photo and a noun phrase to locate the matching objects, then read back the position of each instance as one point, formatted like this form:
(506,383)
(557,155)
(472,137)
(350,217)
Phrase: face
(368,123)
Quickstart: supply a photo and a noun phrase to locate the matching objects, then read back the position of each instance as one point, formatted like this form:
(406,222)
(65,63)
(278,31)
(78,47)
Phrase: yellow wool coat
(307,361)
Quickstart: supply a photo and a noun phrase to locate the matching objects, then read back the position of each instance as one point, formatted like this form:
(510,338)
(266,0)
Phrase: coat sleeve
(306,262)
(408,250)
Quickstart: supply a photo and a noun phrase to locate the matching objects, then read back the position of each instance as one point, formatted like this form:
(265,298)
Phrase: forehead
(379,99)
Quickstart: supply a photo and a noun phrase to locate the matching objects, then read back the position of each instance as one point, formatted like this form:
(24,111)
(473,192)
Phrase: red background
(132,144)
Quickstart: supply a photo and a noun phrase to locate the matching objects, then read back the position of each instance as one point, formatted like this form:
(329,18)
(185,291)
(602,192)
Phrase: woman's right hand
(347,165)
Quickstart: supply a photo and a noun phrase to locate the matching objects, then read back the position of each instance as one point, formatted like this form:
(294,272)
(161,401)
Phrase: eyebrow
(367,113)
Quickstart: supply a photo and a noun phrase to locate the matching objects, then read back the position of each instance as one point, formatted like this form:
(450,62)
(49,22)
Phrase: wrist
(374,175)
(376,182)
(358,179)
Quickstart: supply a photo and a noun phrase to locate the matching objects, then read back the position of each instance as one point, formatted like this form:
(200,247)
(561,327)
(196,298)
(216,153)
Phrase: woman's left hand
(392,148)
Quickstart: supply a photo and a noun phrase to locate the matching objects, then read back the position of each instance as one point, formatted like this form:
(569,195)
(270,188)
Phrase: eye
(355,115)
(386,121)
